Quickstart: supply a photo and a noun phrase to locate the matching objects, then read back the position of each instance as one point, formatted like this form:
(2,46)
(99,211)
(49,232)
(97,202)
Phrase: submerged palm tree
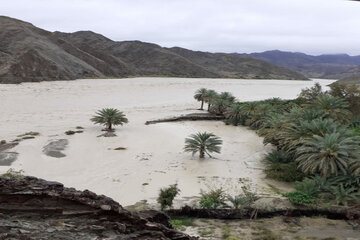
(109,117)
(200,96)
(328,155)
(203,143)
(210,97)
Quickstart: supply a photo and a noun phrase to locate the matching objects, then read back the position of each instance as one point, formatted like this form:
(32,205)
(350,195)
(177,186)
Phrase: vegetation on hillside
(317,139)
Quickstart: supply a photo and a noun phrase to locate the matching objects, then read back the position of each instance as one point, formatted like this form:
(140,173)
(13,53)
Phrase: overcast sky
(310,26)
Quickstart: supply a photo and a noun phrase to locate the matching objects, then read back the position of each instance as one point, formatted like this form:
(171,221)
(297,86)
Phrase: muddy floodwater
(149,156)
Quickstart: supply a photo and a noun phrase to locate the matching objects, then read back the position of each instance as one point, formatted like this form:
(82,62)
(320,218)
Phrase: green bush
(213,198)
(307,186)
(70,132)
(299,197)
(167,195)
(181,222)
(286,172)
(277,157)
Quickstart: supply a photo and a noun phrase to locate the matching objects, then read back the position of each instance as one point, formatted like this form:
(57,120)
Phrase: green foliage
(200,95)
(204,143)
(299,197)
(333,107)
(351,93)
(12,173)
(277,157)
(309,94)
(214,198)
(181,222)
(343,195)
(210,97)
(167,195)
(307,186)
(286,172)
(109,117)
(328,155)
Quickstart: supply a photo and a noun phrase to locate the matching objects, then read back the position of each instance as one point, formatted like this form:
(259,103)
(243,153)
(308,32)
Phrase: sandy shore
(154,156)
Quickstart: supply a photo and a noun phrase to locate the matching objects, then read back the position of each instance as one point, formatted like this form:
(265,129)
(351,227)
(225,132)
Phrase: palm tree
(109,117)
(329,154)
(227,97)
(210,97)
(203,143)
(333,107)
(200,95)
(219,106)
(234,113)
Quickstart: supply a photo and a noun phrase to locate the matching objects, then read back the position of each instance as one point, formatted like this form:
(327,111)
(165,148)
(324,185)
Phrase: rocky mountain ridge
(28,53)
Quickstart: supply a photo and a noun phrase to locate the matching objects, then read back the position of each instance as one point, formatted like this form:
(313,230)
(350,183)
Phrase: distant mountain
(334,66)
(28,53)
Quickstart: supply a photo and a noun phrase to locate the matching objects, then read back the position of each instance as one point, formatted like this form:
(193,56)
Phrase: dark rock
(48,210)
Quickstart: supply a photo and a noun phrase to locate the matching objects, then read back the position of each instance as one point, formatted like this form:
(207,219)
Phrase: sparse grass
(181,223)
(79,127)
(207,232)
(275,189)
(263,233)
(79,131)
(12,173)
(226,231)
(29,134)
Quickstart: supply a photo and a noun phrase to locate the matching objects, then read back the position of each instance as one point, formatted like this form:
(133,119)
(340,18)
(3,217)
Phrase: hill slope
(28,53)
(324,66)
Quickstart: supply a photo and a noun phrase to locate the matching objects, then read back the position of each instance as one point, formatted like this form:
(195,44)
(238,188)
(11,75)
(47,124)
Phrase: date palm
(333,107)
(109,117)
(204,143)
(234,113)
(328,155)
(200,96)
(210,97)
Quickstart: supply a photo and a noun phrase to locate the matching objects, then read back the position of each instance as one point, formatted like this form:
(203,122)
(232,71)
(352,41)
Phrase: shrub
(276,157)
(286,172)
(343,195)
(213,198)
(167,195)
(307,186)
(299,197)
(181,222)
(236,201)
(3,142)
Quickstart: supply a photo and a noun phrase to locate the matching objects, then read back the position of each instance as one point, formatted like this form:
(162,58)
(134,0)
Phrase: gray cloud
(311,26)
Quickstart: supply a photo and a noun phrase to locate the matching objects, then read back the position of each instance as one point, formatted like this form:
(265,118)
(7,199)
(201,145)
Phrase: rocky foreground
(32,208)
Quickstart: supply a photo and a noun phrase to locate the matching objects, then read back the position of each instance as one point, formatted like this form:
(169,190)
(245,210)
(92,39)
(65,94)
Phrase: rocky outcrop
(32,208)
(28,53)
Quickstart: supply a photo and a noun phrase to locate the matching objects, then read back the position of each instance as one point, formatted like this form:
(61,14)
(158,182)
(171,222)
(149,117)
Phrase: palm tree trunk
(209,107)
(109,126)
(202,153)
(202,105)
